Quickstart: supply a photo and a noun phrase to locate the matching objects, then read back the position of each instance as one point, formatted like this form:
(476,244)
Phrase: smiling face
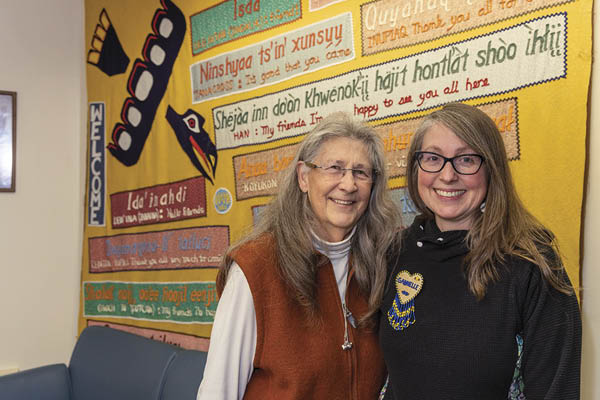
(453,198)
(337,203)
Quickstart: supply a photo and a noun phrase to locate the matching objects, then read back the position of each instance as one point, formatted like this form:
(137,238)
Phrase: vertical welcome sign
(97,165)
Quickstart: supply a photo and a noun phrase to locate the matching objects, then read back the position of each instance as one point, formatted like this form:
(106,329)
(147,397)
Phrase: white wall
(590,368)
(42,59)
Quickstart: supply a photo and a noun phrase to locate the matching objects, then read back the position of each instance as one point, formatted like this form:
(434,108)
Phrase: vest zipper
(347,345)
(349,318)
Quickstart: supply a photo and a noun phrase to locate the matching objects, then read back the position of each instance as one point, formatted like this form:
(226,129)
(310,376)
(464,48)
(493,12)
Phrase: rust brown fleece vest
(297,360)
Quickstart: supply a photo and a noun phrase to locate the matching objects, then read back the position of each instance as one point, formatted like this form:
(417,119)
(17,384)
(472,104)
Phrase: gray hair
(376,229)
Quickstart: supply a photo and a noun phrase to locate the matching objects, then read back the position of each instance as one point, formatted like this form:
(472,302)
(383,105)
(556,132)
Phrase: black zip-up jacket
(449,345)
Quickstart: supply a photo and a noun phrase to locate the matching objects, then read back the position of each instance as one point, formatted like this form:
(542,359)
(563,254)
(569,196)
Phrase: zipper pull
(350,317)
(347,345)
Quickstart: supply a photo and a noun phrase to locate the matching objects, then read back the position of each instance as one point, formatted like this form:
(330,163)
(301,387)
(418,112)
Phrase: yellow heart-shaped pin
(408,285)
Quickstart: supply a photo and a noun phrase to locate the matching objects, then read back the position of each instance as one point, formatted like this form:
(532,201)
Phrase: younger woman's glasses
(464,164)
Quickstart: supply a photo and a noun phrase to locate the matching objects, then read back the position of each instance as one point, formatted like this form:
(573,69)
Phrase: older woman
(299,295)
(476,274)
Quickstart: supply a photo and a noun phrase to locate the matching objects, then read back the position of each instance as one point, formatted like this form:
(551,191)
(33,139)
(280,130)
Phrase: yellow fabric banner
(195,108)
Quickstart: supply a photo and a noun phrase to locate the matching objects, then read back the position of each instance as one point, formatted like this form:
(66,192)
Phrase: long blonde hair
(505,228)
(288,219)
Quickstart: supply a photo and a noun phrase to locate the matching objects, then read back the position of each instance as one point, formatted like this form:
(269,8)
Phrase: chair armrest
(108,364)
(184,375)
(50,382)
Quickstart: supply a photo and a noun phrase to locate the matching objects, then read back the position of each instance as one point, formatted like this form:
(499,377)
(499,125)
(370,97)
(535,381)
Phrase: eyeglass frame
(370,179)
(451,160)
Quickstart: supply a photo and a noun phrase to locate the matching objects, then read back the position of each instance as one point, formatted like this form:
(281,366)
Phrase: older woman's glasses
(464,164)
(336,172)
